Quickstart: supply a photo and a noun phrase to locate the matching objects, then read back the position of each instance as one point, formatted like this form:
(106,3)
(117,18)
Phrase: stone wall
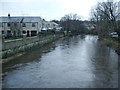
(12,47)
(11,44)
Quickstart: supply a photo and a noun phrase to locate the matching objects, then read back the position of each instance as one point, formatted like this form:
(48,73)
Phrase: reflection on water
(74,62)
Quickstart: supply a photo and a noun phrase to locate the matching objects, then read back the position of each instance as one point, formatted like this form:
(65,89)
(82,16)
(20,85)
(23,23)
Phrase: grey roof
(54,23)
(45,22)
(10,19)
(31,19)
(20,19)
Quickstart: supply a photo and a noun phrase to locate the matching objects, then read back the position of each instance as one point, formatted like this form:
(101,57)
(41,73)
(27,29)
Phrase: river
(72,62)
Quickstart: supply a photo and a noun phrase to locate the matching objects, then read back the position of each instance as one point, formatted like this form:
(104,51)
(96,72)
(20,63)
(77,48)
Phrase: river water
(74,62)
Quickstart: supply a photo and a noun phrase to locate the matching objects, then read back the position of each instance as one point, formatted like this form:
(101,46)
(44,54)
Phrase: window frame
(8,24)
(15,24)
(33,24)
(1,24)
(23,24)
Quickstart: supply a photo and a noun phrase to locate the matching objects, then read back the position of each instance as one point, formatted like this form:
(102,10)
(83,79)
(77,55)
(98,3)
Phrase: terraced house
(29,26)
(11,26)
(44,26)
(17,26)
(47,26)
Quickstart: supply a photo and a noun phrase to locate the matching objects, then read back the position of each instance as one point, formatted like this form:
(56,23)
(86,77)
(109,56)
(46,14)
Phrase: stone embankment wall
(12,47)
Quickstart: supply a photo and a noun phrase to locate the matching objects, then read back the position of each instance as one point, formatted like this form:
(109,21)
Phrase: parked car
(114,34)
(5,36)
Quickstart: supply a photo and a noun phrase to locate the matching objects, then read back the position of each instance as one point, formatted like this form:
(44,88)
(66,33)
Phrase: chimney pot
(8,15)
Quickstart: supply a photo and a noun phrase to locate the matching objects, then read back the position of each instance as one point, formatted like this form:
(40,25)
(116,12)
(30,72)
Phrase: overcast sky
(47,9)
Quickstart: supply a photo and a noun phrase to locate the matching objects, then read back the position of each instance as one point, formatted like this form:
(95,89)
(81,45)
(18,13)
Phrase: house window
(15,24)
(8,24)
(33,33)
(1,24)
(2,32)
(23,25)
(33,24)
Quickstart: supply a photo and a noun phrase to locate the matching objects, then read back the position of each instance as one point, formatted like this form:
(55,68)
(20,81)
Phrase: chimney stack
(8,15)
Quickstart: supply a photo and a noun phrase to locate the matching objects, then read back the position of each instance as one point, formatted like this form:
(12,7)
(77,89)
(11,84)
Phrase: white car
(114,34)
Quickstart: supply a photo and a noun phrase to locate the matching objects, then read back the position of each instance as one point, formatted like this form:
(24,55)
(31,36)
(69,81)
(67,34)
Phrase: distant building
(29,26)
(11,25)
(47,26)
(17,26)
(54,25)
(44,26)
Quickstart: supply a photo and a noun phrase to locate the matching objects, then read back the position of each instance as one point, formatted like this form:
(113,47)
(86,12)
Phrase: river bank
(14,52)
(112,43)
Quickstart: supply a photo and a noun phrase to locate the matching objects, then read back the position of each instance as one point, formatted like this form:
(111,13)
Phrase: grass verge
(112,43)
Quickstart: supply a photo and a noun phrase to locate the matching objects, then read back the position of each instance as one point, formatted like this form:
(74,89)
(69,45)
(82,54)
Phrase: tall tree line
(105,16)
(72,22)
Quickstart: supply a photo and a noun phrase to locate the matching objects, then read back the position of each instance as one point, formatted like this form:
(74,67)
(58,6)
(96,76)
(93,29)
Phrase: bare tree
(72,22)
(104,15)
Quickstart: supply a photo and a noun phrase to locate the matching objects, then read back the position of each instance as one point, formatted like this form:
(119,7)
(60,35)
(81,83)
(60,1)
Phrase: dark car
(5,36)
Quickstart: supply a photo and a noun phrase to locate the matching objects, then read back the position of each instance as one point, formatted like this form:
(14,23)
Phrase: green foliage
(113,43)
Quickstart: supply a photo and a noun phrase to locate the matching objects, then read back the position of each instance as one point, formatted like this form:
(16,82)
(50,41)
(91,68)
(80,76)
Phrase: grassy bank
(112,43)
(20,51)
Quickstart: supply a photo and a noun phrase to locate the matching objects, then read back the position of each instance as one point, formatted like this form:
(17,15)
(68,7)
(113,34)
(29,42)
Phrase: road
(74,62)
